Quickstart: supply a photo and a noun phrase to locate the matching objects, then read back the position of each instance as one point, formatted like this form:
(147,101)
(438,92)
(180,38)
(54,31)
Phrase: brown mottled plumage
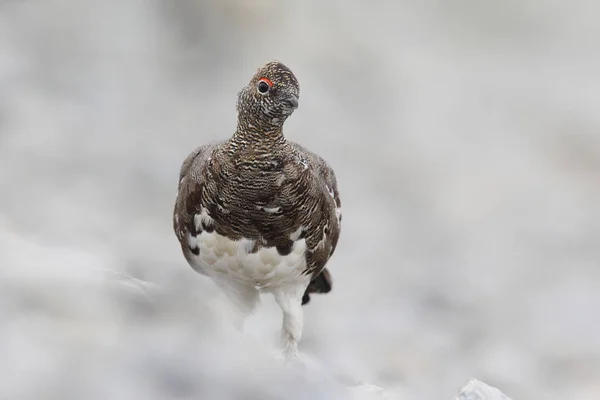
(258,212)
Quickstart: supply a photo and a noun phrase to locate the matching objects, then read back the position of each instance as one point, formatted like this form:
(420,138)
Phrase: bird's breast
(245,260)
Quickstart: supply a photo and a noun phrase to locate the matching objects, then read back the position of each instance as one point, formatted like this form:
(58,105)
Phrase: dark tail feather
(320,284)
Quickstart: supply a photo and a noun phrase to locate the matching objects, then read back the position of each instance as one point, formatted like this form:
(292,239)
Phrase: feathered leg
(289,299)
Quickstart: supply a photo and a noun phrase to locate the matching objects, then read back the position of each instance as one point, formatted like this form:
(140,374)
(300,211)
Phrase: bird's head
(270,97)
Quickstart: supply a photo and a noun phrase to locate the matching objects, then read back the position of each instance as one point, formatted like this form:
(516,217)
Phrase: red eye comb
(267,81)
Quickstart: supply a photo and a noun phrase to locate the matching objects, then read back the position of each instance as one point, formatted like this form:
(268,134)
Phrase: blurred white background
(466,140)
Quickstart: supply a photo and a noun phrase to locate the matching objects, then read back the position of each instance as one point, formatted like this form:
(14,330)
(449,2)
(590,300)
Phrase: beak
(291,101)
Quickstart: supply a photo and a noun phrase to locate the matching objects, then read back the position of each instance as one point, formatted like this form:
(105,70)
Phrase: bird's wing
(324,221)
(192,181)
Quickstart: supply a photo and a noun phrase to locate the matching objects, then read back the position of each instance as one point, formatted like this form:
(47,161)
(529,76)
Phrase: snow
(465,135)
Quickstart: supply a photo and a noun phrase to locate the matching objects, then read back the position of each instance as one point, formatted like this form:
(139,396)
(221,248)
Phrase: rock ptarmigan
(257,212)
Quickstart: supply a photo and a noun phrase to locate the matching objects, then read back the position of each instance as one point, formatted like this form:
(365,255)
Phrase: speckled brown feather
(259,186)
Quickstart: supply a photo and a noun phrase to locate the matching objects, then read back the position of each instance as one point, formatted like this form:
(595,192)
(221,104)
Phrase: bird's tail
(320,284)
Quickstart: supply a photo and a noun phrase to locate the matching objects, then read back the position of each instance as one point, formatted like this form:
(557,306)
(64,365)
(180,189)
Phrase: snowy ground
(466,139)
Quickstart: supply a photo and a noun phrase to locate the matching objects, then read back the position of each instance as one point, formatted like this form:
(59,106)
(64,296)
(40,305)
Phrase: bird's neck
(254,131)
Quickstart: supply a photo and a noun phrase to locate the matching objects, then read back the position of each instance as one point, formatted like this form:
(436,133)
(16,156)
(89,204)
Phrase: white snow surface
(465,138)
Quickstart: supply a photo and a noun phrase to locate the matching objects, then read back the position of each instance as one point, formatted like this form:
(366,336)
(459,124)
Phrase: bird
(258,213)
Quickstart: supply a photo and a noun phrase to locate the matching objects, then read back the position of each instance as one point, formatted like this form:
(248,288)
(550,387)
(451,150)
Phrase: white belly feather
(225,258)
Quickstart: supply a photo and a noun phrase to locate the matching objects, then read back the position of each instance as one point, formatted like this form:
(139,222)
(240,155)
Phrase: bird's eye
(264,85)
